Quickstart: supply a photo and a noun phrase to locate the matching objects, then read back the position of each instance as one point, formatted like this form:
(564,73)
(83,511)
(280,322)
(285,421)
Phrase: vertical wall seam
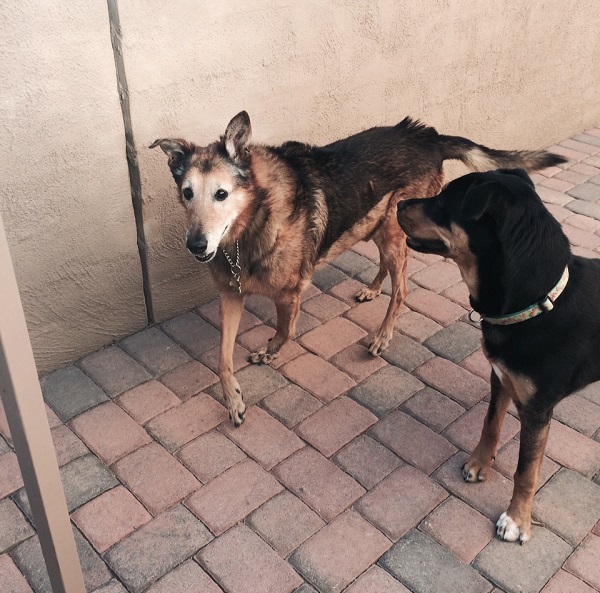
(131,153)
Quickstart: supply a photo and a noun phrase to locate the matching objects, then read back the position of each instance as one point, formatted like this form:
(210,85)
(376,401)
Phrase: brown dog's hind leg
(231,306)
(288,307)
(478,466)
(374,289)
(515,523)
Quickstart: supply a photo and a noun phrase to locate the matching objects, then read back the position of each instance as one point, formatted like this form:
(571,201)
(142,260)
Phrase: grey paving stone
(28,557)
(425,566)
(352,263)
(367,276)
(291,405)
(3,446)
(157,547)
(113,587)
(114,370)
(306,588)
(385,390)
(192,332)
(406,353)
(83,478)
(589,192)
(585,208)
(327,277)
(69,392)
(433,409)
(256,382)
(186,578)
(14,528)
(591,392)
(569,505)
(155,350)
(587,139)
(526,568)
(455,342)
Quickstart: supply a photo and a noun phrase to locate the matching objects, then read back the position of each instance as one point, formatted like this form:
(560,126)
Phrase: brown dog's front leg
(231,308)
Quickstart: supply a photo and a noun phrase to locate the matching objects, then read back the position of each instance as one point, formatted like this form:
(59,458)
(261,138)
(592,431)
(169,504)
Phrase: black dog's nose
(197,244)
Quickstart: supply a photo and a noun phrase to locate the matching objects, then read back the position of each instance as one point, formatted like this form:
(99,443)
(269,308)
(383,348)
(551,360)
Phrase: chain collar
(236,270)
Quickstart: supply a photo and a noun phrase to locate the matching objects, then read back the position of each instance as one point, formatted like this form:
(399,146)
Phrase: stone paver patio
(346,473)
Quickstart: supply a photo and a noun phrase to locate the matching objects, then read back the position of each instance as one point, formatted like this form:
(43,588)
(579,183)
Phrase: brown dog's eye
(220,195)
(188,193)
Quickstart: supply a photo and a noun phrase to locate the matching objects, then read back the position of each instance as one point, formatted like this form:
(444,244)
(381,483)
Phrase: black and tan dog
(539,308)
(265,217)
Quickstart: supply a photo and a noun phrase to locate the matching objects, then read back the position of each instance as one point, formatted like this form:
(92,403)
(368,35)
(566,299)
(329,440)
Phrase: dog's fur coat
(511,253)
(295,206)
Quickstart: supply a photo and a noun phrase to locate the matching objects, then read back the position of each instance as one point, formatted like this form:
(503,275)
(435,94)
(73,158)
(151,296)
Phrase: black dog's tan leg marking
(231,308)
(374,289)
(515,523)
(391,241)
(478,466)
(287,307)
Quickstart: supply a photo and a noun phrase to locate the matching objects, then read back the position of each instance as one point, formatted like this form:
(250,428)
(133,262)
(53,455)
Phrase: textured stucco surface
(65,195)
(511,74)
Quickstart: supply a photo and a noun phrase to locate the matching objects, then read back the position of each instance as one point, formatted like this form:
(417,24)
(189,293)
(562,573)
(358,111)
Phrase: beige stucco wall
(509,73)
(64,195)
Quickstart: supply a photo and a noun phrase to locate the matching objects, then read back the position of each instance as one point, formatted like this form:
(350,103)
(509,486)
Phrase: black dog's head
(494,226)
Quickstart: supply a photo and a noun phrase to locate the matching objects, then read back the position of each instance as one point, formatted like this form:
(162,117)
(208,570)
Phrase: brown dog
(265,217)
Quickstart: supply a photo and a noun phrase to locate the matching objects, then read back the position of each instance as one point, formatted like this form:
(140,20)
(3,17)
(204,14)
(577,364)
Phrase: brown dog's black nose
(197,244)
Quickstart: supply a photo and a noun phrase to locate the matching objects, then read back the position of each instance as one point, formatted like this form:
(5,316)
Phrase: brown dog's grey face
(213,184)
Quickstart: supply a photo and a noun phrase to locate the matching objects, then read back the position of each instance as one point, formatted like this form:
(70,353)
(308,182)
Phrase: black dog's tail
(481,158)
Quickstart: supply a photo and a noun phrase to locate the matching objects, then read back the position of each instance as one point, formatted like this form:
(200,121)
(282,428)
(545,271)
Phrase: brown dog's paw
(366,294)
(511,530)
(380,342)
(237,414)
(262,356)
(475,471)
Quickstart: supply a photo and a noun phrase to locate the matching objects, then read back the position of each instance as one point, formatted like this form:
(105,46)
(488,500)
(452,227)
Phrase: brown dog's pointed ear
(177,150)
(477,200)
(237,138)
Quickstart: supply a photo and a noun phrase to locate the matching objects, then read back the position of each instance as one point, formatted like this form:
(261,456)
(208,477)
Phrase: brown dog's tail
(481,158)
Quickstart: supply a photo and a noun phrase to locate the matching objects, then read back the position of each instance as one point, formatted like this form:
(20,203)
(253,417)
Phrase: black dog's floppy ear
(477,200)
(237,137)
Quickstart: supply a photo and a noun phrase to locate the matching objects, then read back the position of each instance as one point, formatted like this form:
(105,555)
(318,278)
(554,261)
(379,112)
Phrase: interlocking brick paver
(192,332)
(573,450)
(145,469)
(256,382)
(459,294)
(413,441)
(506,463)
(572,177)
(578,413)
(357,361)
(288,352)
(581,238)
(490,498)
(370,314)
(465,432)
(109,432)
(66,445)
(110,517)
(346,291)
(551,196)
(4,448)
(83,478)
(147,400)
(263,438)
(327,277)
(261,306)
(585,561)
(211,358)
(291,404)
(460,528)
(563,582)
(69,391)
(417,326)
(478,365)
(454,381)
(425,566)
(211,312)
(335,425)
(399,502)
(14,528)
(155,350)
(385,390)
(580,145)
(455,342)
(367,276)
(569,505)
(332,337)
(11,577)
(367,249)
(351,263)
(306,588)
(318,482)
(324,307)
(256,338)
(305,323)
(557,184)
(585,208)
(568,153)
(434,306)
(406,353)
(181,424)
(185,578)
(366,460)
(189,379)
(157,547)
(583,222)
(257,567)
(210,455)
(317,376)
(590,192)
(531,565)
(28,557)
(233,495)
(433,409)
(559,212)
(285,522)
(376,580)
(114,370)
(341,551)
(438,276)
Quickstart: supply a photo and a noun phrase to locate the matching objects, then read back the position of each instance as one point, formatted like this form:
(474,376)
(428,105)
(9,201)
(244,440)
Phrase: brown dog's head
(213,184)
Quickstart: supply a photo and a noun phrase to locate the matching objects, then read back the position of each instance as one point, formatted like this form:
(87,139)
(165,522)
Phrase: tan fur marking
(521,387)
